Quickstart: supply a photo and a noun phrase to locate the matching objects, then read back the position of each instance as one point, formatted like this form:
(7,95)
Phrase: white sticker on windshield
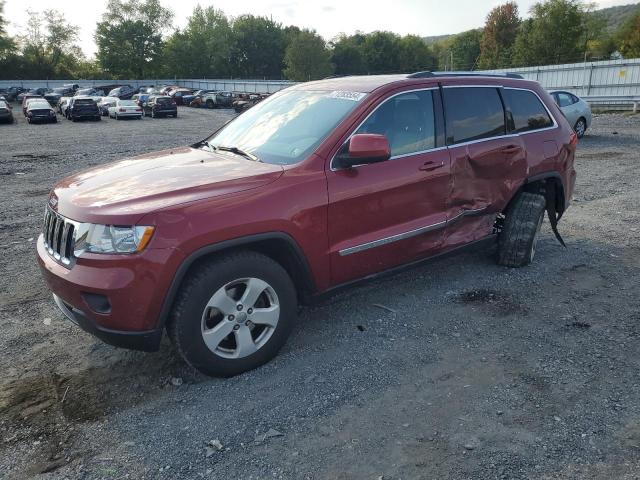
(343,94)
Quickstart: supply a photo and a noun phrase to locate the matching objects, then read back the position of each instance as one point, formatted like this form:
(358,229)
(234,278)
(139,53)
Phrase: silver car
(577,111)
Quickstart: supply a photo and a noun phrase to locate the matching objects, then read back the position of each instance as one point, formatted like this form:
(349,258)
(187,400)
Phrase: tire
(153,114)
(191,318)
(519,235)
(580,127)
(209,103)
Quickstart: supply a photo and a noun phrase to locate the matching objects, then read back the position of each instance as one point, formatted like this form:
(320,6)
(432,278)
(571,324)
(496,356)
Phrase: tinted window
(528,111)
(406,120)
(163,100)
(83,101)
(473,113)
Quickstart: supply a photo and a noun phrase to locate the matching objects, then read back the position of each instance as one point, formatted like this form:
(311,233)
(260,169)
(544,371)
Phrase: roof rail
(428,74)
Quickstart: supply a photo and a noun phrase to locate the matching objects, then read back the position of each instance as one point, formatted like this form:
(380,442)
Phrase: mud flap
(550,197)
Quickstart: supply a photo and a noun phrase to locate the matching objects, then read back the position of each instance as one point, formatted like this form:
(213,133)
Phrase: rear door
(388,213)
(487,162)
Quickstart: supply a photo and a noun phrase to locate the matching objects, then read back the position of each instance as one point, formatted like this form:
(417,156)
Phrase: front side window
(287,126)
(527,109)
(473,113)
(407,120)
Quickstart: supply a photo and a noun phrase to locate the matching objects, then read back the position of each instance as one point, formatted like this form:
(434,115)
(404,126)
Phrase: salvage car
(160,106)
(105,103)
(6,114)
(140,98)
(125,109)
(178,93)
(577,111)
(124,92)
(218,100)
(322,184)
(40,111)
(82,108)
(25,98)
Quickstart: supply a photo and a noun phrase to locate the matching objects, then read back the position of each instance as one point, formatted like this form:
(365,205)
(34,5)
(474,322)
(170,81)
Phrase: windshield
(288,126)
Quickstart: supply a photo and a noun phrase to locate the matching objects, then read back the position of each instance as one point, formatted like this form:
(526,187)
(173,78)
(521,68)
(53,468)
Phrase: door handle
(431,165)
(511,149)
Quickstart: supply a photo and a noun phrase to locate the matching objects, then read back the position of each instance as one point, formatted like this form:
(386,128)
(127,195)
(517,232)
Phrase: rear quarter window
(528,111)
(473,113)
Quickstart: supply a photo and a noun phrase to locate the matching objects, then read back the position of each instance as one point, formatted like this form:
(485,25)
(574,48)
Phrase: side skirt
(475,245)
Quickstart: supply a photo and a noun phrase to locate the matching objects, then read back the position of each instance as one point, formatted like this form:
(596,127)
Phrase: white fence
(257,86)
(597,79)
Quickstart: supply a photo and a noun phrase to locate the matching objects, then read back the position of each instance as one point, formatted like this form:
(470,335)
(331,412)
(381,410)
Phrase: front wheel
(580,127)
(519,236)
(233,314)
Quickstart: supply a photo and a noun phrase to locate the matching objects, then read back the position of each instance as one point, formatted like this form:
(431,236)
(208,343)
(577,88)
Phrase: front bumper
(130,292)
(148,341)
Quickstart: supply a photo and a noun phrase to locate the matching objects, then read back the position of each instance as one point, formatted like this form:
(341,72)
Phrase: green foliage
(348,55)
(498,36)
(307,57)
(556,33)
(202,49)
(380,51)
(628,37)
(415,55)
(129,38)
(464,48)
(615,17)
(7,44)
(257,48)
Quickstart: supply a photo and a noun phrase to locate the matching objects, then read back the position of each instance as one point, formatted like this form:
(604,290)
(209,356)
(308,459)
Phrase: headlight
(111,239)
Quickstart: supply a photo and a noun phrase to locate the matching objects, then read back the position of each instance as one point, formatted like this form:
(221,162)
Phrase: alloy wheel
(240,318)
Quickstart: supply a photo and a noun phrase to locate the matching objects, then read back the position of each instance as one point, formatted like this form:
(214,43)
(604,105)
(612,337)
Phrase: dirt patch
(499,303)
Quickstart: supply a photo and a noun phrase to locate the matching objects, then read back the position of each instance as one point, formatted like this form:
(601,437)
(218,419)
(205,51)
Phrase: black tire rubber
(517,240)
(209,104)
(575,127)
(184,325)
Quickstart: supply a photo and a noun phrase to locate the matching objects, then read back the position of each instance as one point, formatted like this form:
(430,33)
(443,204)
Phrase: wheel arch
(278,246)
(549,184)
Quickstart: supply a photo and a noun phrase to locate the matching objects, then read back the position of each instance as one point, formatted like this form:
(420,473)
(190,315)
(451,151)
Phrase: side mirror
(362,149)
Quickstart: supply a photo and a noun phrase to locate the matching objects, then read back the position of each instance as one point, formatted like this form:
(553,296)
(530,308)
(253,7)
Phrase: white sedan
(125,109)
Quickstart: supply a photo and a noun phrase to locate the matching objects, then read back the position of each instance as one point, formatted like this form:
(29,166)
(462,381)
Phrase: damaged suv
(318,186)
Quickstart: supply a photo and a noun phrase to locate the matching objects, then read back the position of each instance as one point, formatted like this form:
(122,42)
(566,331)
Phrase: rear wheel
(233,314)
(209,103)
(580,127)
(519,235)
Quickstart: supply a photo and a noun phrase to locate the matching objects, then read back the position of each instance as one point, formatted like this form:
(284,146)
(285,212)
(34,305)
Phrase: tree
(258,47)
(130,40)
(628,37)
(555,33)
(202,49)
(6,43)
(307,57)
(414,54)
(48,47)
(498,36)
(381,52)
(347,54)
(464,50)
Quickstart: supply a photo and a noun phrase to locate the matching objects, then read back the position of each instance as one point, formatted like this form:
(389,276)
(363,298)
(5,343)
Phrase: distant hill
(614,17)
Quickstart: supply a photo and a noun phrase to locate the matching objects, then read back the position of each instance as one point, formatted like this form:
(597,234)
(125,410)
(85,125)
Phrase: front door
(385,214)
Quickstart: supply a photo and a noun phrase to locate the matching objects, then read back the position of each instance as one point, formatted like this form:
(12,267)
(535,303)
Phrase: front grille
(59,236)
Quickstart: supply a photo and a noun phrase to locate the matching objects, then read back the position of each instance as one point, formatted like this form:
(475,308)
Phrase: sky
(327,17)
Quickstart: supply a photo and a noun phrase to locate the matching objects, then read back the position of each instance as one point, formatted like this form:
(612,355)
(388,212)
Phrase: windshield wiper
(235,150)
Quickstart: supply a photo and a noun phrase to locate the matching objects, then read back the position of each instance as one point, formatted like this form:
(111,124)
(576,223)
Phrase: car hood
(131,188)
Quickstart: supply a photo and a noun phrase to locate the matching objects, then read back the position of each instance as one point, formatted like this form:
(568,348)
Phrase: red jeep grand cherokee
(317,186)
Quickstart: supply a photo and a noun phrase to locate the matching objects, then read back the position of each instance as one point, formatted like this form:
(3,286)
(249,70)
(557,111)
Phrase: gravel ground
(457,369)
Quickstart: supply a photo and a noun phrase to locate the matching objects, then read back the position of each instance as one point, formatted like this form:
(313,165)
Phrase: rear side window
(527,109)
(473,113)
(407,120)
(565,99)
